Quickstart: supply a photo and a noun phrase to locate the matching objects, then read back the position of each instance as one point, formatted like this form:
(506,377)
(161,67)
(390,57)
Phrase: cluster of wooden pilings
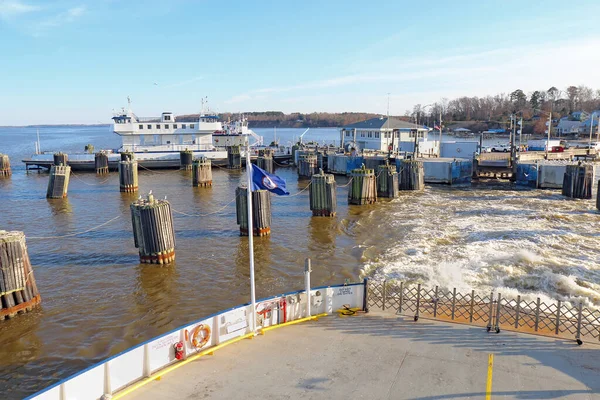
(201,172)
(578,181)
(18,290)
(128,176)
(363,188)
(153,231)
(261,210)
(307,165)
(412,175)
(4,165)
(58,183)
(234,157)
(265,160)
(387,181)
(60,158)
(101,163)
(186,158)
(323,202)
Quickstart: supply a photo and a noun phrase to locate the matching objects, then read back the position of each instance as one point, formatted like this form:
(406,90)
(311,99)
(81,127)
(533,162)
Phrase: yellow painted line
(165,371)
(297,321)
(488,387)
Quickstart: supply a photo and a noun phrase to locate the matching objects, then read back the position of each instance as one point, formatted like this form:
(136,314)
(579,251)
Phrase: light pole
(591,128)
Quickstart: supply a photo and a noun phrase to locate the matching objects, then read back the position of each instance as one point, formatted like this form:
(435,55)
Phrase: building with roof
(381,133)
(567,127)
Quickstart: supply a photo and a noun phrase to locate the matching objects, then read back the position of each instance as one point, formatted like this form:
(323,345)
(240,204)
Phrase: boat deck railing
(493,311)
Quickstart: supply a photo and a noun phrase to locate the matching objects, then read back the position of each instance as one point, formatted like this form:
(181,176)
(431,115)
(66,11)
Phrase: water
(97,299)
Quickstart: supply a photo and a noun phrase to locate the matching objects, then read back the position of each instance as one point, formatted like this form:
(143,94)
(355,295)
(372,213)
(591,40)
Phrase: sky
(75,61)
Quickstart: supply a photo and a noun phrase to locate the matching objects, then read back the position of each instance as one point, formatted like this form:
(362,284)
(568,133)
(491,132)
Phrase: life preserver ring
(205,336)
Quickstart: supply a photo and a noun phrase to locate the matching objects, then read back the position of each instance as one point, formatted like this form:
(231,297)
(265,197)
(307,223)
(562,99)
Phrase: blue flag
(262,180)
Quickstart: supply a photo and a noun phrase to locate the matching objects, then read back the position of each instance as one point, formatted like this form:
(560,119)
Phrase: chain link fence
(491,311)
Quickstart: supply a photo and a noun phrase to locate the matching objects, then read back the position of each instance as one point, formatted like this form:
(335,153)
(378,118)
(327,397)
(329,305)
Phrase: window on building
(174,126)
(191,126)
(376,135)
(149,126)
(141,126)
(157,126)
(166,126)
(370,134)
(362,134)
(348,133)
(397,134)
(182,126)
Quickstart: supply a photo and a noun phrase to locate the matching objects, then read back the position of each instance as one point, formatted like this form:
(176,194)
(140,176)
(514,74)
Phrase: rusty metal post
(383,290)
(435,303)
(418,301)
(401,298)
(556,330)
(518,310)
(471,306)
(537,314)
(453,302)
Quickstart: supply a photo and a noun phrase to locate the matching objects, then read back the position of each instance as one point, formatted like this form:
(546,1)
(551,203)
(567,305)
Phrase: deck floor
(381,356)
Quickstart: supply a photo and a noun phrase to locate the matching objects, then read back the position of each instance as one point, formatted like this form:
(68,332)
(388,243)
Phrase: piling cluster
(234,157)
(363,189)
(153,231)
(60,158)
(577,181)
(323,202)
(307,165)
(387,181)
(412,175)
(58,183)
(261,210)
(201,172)
(18,290)
(186,158)
(265,160)
(101,163)
(4,165)
(128,176)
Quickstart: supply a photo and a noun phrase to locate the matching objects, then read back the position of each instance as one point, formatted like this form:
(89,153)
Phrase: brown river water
(97,300)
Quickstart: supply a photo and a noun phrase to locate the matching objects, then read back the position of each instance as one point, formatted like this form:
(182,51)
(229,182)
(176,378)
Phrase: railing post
(471,306)
(435,303)
(307,271)
(491,312)
(453,302)
(383,292)
(557,323)
(579,315)
(537,314)
(418,301)
(498,310)
(518,310)
(401,298)
(366,295)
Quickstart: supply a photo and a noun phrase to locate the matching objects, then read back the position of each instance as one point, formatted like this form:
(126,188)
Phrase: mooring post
(201,172)
(307,271)
(186,157)
(5,169)
(323,201)
(234,158)
(387,181)
(363,189)
(18,289)
(128,176)
(261,208)
(58,182)
(101,163)
(411,175)
(307,165)
(265,160)
(153,231)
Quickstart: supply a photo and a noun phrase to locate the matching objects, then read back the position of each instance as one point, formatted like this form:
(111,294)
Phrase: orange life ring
(205,336)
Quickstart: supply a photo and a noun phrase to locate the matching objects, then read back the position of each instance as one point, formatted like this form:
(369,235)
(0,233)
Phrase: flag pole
(251,236)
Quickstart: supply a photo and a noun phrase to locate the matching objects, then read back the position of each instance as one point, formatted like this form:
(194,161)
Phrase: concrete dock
(384,356)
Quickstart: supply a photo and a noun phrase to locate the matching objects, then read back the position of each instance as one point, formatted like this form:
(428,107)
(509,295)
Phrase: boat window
(191,126)
(141,127)
(174,126)
(168,142)
(167,117)
(157,126)
(149,126)
(182,126)
(166,126)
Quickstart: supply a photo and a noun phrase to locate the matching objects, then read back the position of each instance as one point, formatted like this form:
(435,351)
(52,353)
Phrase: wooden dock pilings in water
(234,158)
(307,165)
(60,158)
(127,156)
(323,202)
(101,163)
(363,189)
(58,183)
(128,176)
(5,165)
(186,158)
(578,181)
(412,175)
(387,181)
(201,172)
(18,290)
(261,208)
(265,162)
(153,231)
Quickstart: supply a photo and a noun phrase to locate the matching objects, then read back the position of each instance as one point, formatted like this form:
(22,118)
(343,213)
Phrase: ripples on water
(98,300)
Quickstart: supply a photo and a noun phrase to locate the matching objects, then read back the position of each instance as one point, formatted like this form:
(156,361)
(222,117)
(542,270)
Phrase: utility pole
(591,128)
(387,127)
(549,128)
(440,144)
(521,131)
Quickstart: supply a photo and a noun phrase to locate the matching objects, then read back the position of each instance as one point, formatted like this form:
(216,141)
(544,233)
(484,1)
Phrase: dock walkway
(383,356)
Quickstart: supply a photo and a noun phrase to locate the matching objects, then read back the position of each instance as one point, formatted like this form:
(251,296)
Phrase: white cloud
(61,19)
(12,8)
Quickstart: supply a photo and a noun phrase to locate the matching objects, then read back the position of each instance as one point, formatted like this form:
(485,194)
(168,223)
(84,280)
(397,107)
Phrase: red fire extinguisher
(178,350)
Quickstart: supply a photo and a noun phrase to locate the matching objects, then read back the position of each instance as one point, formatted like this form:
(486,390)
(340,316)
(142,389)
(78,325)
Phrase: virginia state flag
(262,180)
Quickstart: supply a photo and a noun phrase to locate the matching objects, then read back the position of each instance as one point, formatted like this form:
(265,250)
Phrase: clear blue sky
(69,61)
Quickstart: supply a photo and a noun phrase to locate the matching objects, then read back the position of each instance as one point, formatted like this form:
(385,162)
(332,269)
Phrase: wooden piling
(153,231)
(261,209)
(265,162)
(58,183)
(411,176)
(60,158)
(101,163)
(266,152)
(128,176)
(201,172)
(127,156)
(387,181)
(307,165)
(18,289)
(295,148)
(186,158)
(234,158)
(323,202)
(363,189)
(577,181)
(5,165)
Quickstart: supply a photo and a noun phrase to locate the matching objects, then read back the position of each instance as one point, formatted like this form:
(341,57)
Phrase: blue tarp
(527,175)
(354,163)
(462,171)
